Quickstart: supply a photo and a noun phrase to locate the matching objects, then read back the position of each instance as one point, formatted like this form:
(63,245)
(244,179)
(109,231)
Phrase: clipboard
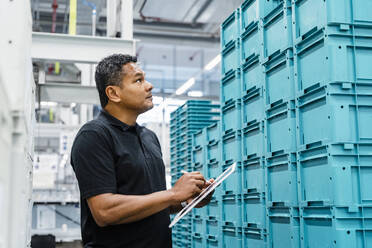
(203,194)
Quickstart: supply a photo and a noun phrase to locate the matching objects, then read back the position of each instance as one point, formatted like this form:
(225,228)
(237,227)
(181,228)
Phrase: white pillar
(111,15)
(127,19)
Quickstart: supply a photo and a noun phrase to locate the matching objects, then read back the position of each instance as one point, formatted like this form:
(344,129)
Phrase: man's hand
(207,199)
(187,186)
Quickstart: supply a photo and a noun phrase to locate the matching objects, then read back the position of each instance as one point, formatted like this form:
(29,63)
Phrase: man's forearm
(175,208)
(119,209)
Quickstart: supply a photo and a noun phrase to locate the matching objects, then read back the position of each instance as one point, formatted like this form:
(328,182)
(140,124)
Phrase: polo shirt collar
(107,117)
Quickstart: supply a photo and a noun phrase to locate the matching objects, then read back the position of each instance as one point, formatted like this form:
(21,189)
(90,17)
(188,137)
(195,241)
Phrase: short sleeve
(93,163)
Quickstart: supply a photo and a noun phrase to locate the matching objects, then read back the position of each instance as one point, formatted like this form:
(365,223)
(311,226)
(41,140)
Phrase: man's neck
(123,115)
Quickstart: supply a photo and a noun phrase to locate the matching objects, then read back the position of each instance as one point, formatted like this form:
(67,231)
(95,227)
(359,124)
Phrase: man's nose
(149,86)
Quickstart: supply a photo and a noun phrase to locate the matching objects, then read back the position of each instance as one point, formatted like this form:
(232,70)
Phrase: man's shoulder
(148,132)
(94,126)
(145,130)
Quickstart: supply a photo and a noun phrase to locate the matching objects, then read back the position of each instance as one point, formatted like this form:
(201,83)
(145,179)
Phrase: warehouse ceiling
(177,37)
(198,16)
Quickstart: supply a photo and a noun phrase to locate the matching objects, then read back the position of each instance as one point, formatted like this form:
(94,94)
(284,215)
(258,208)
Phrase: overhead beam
(77,48)
(72,93)
(68,93)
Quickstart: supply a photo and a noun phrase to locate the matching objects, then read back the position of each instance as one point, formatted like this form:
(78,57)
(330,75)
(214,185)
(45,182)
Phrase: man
(119,166)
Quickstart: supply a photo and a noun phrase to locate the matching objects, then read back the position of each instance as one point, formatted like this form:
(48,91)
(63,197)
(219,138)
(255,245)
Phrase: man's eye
(138,80)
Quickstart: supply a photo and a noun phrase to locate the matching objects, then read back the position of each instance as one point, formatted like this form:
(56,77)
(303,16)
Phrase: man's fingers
(198,177)
(199,183)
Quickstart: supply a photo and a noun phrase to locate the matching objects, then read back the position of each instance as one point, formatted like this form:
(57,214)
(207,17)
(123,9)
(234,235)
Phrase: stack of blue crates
(185,121)
(206,158)
(296,110)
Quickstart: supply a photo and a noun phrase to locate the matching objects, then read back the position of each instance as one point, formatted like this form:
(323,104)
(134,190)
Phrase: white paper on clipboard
(203,194)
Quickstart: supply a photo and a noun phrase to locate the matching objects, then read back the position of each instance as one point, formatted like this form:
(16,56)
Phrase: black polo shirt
(109,156)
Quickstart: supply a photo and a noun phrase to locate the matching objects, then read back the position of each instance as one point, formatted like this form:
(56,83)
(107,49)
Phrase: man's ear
(113,93)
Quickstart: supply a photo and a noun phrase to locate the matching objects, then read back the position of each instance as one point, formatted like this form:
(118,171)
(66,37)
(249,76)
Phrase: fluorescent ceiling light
(213,63)
(189,83)
(195,93)
(48,104)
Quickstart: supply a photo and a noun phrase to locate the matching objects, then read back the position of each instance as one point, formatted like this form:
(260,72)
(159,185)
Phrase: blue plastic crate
(185,225)
(254,175)
(230,87)
(232,210)
(281,179)
(195,123)
(254,210)
(174,236)
(213,131)
(253,237)
(213,151)
(330,14)
(253,140)
(214,208)
(173,133)
(199,213)
(230,57)
(251,42)
(195,110)
(198,225)
(198,156)
(214,169)
(252,74)
(198,167)
(335,174)
(232,237)
(322,58)
(184,243)
(281,127)
(199,118)
(253,10)
(233,184)
(174,170)
(279,77)
(185,166)
(194,105)
(185,235)
(230,29)
(176,244)
(283,227)
(231,147)
(173,156)
(189,104)
(185,159)
(336,227)
(198,102)
(250,14)
(277,31)
(185,151)
(338,112)
(253,106)
(184,143)
(177,175)
(173,114)
(213,227)
(231,117)
(212,242)
(198,241)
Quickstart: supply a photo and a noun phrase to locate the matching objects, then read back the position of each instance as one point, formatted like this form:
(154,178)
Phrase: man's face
(135,91)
